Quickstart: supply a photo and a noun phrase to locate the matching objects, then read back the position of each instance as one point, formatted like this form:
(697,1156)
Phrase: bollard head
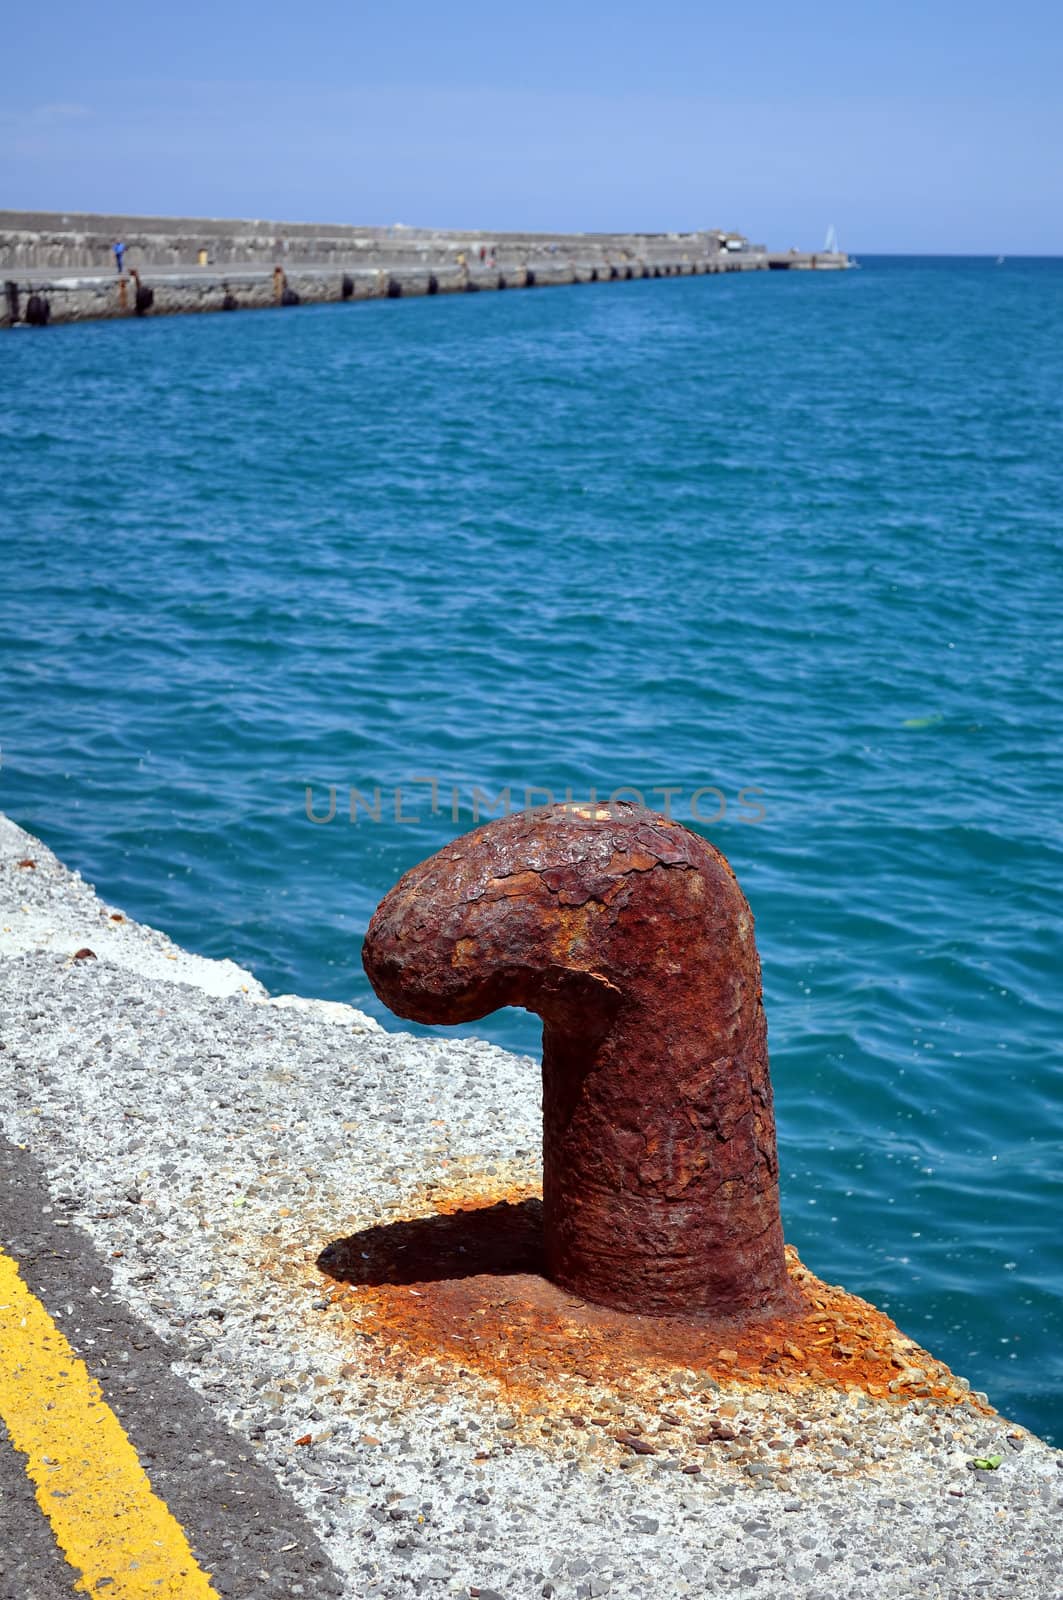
(629,935)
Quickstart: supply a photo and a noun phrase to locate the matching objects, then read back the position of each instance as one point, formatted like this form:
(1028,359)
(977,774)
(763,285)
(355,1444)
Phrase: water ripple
(794,533)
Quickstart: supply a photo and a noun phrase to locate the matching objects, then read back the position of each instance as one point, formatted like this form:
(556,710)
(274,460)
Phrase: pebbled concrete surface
(33,916)
(210,1146)
(244,1531)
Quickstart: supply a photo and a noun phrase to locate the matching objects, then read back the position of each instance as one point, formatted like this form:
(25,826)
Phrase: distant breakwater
(62,268)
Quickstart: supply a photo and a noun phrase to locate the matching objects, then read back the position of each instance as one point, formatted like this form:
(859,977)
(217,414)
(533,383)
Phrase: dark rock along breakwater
(61,268)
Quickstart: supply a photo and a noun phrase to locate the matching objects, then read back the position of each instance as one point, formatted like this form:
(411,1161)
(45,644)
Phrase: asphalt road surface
(243,1530)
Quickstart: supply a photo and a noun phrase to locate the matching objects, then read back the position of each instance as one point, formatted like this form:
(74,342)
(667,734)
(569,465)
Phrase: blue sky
(912,127)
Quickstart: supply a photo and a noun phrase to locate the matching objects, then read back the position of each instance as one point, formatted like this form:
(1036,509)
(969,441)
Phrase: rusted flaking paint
(629,935)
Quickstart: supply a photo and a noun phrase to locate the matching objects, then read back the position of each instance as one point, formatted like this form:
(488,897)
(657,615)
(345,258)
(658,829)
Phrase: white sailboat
(830,245)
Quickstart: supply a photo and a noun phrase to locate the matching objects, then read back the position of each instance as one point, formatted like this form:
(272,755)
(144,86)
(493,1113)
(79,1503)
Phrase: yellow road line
(107,1519)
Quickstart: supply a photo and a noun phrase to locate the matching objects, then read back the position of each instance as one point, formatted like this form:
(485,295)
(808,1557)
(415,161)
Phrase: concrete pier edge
(58,268)
(209,1140)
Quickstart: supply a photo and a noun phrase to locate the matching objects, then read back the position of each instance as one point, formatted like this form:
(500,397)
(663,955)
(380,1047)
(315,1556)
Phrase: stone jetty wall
(60,268)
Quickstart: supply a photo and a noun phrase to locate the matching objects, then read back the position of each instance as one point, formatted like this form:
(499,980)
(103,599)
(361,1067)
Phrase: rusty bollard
(629,935)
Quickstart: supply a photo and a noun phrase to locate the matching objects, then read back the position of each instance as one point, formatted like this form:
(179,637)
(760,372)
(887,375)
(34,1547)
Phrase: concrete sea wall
(61,268)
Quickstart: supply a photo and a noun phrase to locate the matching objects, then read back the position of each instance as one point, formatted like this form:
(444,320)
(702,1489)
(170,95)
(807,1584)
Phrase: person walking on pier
(119,256)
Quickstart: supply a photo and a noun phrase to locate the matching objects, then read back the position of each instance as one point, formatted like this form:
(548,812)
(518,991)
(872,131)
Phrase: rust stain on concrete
(461,1290)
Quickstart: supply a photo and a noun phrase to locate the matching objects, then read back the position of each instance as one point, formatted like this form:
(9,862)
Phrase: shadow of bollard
(499,1241)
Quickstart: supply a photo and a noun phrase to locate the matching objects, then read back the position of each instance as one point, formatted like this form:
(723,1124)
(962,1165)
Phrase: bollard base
(464,1288)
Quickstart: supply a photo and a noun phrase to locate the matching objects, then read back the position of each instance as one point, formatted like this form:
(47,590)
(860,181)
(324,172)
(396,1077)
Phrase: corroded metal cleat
(629,935)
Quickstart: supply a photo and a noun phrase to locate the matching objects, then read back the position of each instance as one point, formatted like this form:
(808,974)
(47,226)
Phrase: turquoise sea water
(799,534)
